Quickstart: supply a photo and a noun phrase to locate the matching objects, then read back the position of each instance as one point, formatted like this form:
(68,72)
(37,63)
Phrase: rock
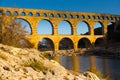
(29,64)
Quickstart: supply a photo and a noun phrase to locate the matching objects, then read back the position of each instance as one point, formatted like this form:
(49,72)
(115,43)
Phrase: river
(102,66)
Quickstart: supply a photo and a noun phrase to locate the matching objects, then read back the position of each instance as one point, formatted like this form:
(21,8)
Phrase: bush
(36,65)
(12,32)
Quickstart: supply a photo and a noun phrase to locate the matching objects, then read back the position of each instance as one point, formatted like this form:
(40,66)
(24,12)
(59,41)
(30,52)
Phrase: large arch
(65,27)
(46,44)
(99,42)
(66,44)
(83,28)
(45,27)
(98,28)
(84,43)
(25,25)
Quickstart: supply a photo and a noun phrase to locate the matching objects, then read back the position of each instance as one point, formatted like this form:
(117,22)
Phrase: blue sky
(98,6)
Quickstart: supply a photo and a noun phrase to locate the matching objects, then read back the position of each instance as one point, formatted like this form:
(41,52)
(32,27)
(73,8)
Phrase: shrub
(36,65)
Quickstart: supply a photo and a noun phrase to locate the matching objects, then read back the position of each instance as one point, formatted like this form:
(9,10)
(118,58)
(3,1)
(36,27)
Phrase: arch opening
(37,14)
(83,28)
(65,27)
(23,14)
(8,13)
(45,44)
(98,28)
(84,43)
(66,44)
(44,27)
(99,42)
(15,13)
(25,25)
(30,14)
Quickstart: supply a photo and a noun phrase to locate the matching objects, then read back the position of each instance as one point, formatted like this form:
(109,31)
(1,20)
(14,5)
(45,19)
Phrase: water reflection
(105,66)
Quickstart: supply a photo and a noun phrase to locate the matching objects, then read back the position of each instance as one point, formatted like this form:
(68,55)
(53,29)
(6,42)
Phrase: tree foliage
(14,34)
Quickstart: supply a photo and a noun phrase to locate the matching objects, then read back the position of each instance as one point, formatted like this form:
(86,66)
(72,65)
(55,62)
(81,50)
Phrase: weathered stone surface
(15,65)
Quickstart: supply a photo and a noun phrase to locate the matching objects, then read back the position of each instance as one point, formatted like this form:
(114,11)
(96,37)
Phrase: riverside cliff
(29,64)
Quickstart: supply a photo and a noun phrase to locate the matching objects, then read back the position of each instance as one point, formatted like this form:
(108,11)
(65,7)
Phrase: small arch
(84,43)
(83,28)
(51,15)
(111,18)
(99,42)
(88,17)
(66,44)
(82,17)
(23,14)
(15,13)
(106,18)
(37,14)
(64,16)
(46,44)
(1,12)
(8,13)
(45,27)
(97,17)
(98,28)
(58,15)
(25,24)
(93,17)
(30,14)
(44,15)
(76,16)
(70,16)
(65,27)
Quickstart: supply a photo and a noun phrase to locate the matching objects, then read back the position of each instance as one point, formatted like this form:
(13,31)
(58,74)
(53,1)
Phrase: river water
(105,66)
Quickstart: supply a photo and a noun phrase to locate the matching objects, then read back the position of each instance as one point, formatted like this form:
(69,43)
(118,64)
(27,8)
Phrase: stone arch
(65,44)
(37,14)
(51,15)
(26,24)
(45,27)
(23,14)
(58,15)
(45,44)
(64,16)
(84,43)
(30,14)
(83,28)
(98,28)
(82,17)
(8,13)
(15,13)
(44,15)
(99,42)
(88,17)
(70,16)
(76,16)
(65,27)
(110,27)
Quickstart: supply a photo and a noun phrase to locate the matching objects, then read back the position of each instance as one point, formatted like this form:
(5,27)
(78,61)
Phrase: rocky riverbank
(29,64)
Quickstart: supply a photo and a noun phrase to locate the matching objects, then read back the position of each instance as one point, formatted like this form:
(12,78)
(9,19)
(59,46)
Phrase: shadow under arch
(98,28)
(45,26)
(66,44)
(26,24)
(65,27)
(99,42)
(83,28)
(84,43)
(45,44)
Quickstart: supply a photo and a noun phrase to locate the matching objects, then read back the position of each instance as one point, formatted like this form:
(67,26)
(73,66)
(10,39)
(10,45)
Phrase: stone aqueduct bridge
(33,16)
